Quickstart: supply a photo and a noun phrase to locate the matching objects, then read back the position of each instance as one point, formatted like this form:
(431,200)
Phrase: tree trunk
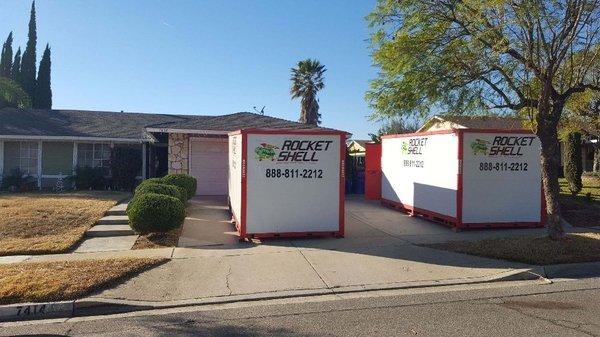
(596,167)
(547,131)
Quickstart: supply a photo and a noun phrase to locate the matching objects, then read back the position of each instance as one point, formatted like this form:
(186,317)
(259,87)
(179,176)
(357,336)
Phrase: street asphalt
(522,308)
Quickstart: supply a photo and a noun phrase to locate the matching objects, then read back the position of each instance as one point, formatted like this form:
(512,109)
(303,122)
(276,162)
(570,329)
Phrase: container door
(373,171)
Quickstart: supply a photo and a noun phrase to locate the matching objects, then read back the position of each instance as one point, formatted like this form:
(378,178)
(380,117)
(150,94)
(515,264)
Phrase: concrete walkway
(378,252)
(110,233)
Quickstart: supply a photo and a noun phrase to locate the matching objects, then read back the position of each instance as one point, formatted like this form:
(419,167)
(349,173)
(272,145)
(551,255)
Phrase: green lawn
(583,209)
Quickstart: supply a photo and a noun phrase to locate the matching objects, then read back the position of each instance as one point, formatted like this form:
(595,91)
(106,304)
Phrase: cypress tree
(6,57)
(43,91)
(573,166)
(16,67)
(28,66)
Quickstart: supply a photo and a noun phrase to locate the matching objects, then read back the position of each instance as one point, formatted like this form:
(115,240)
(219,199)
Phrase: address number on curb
(26,311)
(31,310)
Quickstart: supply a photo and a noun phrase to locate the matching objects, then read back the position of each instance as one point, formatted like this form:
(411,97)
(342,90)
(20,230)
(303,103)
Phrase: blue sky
(201,57)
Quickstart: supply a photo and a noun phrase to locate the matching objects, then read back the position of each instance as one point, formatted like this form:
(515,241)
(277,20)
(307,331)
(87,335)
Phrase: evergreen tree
(16,68)
(43,91)
(28,66)
(6,57)
(573,166)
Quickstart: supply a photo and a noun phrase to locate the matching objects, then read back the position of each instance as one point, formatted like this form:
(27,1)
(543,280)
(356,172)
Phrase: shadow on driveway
(371,230)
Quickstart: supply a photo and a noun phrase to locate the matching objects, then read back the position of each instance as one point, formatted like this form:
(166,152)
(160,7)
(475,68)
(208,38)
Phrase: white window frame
(38,156)
(78,153)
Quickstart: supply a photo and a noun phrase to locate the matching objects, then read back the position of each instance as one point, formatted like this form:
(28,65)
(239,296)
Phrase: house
(471,122)
(50,144)
(445,122)
(356,149)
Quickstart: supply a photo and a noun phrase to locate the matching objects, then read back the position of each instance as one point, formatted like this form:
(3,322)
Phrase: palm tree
(307,80)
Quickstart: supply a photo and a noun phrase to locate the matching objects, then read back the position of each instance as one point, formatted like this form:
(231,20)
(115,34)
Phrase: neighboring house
(48,144)
(497,122)
(471,122)
(356,149)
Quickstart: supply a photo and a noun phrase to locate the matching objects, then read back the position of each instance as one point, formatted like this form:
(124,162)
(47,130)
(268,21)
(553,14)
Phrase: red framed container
(372,171)
(465,178)
(287,182)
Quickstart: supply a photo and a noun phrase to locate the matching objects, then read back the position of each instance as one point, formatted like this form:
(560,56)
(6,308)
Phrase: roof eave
(190,131)
(74,138)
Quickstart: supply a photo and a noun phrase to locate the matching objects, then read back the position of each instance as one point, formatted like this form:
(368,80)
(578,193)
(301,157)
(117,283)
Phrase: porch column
(1,159)
(144,161)
(39,164)
(179,153)
(74,157)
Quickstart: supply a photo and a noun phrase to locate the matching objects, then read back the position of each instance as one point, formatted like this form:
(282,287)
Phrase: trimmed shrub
(151,181)
(147,182)
(573,167)
(164,189)
(186,182)
(18,181)
(89,178)
(152,212)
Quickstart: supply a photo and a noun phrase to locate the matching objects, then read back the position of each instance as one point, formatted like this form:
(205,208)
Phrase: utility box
(465,178)
(285,183)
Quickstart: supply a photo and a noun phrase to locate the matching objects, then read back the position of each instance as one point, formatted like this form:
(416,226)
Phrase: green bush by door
(152,212)
(158,204)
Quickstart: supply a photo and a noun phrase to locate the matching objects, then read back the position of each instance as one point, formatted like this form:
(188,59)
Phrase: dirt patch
(36,223)
(577,247)
(65,280)
(158,240)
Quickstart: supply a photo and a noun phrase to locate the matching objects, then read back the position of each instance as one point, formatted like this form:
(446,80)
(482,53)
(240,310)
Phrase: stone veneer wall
(179,150)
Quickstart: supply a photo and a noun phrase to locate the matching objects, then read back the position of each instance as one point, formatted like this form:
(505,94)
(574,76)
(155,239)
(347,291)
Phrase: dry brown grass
(158,240)
(35,223)
(577,247)
(65,280)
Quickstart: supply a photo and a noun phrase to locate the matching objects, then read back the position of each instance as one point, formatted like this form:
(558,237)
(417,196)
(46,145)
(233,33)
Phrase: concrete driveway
(378,252)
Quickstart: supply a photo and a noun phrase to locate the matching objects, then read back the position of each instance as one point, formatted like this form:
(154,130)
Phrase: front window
(28,158)
(93,155)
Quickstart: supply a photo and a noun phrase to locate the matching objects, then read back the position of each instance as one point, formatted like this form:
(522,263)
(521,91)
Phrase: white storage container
(287,182)
(466,178)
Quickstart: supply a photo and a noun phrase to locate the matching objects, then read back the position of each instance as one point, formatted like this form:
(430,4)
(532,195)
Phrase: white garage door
(208,164)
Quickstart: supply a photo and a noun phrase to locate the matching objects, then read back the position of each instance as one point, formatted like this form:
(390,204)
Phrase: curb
(572,270)
(28,311)
(100,306)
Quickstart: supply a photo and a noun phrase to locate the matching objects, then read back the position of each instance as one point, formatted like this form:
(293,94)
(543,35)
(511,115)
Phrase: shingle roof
(234,121)
(105,124)
(485,122)
(362,142)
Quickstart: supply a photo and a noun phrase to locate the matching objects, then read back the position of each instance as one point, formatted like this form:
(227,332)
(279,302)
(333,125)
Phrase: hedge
(150,181)
(573,167)
(152,212)
(186,182)
(170,190)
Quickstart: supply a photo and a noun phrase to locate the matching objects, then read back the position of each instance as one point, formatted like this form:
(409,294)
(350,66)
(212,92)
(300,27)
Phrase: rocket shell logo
(502,146)
(292,151)
(265,151)
(404,148)
(479,146)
